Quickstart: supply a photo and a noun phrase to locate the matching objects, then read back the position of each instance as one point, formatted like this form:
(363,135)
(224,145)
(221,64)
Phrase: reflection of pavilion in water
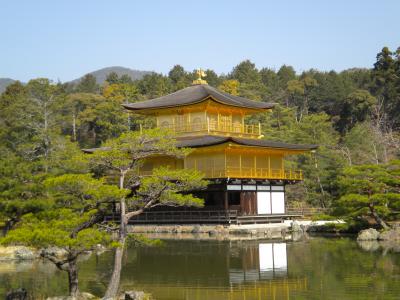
(209,270)
(264,261)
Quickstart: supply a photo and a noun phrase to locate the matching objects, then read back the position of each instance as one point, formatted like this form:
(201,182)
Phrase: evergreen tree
(285,74)
(246,72)
(91,118)
(122,157)
(154,85)
(250,80)
(370,191)
(17,121)
(273,90)
(177,74)
(385,82)
(112,78)
(87,84)
(77,204)
(299,91)
(356,107)
(125,79)
(212,78)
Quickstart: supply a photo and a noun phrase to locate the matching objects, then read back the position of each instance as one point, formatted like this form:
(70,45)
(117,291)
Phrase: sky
(63,40)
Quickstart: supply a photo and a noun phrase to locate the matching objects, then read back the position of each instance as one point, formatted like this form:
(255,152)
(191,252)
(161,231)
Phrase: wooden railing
(220,128)
(186,216)
(258,173)
(216,216)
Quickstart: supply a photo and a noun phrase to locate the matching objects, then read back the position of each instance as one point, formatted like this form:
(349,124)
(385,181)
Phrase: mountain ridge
(4,82)
(100,75)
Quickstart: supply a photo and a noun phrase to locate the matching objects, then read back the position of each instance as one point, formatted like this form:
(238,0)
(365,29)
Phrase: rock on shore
(372,234)
(17,253)
(390,235)
(369,234)
(220,232)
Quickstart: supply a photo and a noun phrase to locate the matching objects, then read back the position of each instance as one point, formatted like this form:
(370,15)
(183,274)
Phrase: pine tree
(122,157)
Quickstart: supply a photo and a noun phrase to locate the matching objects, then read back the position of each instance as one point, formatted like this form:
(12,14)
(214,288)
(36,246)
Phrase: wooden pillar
(226,204)
(240,163)
(230,126)
(253,203)
(269,165)
(225,170)
(255,165)
(242,203)
(243,127)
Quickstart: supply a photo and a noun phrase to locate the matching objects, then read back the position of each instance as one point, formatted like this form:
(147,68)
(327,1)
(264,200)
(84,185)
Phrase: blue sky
(66,39)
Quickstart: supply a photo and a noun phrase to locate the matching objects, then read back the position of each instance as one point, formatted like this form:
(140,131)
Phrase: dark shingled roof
(209,140)
(195,94)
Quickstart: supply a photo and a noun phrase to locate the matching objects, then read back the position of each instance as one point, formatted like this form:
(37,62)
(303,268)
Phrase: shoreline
(233,231)
(286,231)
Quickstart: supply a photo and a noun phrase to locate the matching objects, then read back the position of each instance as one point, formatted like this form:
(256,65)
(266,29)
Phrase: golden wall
(229,163)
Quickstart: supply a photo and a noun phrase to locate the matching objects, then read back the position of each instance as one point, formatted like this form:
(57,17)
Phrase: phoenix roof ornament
(200,73)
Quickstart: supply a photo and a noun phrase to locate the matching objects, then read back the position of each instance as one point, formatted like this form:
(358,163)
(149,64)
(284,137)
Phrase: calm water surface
(316,268)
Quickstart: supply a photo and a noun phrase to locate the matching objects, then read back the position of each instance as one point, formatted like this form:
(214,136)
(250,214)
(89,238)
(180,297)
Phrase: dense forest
(352,115)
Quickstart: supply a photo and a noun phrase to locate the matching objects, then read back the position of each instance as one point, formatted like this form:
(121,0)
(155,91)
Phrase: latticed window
(196,124)
(225,123)
(212,119)
(181,122)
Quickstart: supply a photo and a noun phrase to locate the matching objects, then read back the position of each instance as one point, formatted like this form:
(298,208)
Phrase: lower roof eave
(211,140)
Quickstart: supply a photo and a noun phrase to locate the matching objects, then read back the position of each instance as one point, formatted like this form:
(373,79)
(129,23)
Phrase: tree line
(336,110)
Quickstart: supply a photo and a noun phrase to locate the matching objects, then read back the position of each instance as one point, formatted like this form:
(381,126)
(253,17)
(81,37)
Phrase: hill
(4,82)
(101,74)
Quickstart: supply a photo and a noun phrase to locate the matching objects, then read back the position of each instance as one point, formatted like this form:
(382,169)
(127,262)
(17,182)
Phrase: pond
(314,268)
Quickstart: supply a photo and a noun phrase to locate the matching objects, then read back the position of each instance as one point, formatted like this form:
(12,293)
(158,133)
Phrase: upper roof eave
(139,110)
(196,94)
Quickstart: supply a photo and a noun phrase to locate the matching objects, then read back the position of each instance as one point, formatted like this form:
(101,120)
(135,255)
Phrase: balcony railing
(253,173)
(256,173)
(213,127)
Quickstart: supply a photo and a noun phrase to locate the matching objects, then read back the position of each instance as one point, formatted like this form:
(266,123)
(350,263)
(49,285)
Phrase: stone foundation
(220,232)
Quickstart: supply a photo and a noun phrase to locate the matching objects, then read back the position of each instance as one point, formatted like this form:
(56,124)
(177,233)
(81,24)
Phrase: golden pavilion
(247,173)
